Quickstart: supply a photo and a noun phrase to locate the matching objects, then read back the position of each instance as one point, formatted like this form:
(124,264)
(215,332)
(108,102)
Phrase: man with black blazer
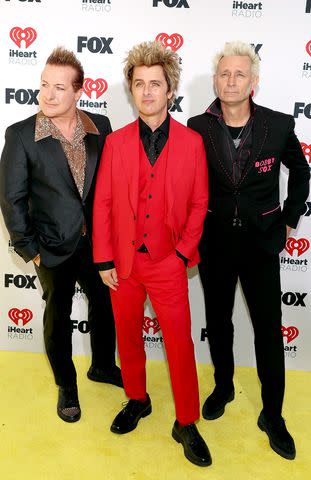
(47,177)
(246,228)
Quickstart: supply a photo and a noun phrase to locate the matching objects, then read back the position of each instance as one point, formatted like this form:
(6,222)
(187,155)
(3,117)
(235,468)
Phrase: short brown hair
(153,53)
(61,56)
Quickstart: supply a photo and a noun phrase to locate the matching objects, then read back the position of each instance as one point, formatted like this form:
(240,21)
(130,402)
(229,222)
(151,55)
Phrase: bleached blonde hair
(154,53)
(238,48)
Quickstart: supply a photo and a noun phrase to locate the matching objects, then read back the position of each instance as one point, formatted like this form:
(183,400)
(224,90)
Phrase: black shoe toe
(128,418)
(195,448)
(214,406)
(279,438)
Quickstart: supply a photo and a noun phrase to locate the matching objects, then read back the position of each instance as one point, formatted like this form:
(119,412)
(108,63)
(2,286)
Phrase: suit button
(152,175)
(149,196)
(133,243)
(145,235)
(147,216)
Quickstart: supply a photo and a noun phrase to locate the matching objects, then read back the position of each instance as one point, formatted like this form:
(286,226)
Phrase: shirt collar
(144,129)
(215,107)
(45,128)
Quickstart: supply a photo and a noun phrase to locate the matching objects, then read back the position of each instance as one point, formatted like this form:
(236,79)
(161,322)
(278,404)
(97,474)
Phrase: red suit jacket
(116,195)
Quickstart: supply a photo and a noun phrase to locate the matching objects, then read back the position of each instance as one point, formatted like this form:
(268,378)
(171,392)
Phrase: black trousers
(58,284)
(227,256)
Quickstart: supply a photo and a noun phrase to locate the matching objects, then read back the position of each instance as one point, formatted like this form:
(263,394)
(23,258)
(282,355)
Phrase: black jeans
(225,258)
(58,284)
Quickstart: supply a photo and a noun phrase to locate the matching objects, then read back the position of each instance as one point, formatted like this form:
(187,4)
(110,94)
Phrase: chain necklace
(237,140)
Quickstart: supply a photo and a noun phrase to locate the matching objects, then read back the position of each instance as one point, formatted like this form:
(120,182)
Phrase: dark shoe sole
(220,412)
(278,450)
(68,418)
(197,462)
(144,414)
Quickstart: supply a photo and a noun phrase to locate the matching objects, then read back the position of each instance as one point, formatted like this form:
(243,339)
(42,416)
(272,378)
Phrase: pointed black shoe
(68,407)
(195,448)
(279,438)
(112,376)
(128,418)
(214,406)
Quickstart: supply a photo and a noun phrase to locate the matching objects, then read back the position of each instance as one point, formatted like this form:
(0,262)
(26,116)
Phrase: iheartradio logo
(174,41)
(151,324)
(20,316)
(28,35)
(299,244)
(308,47)
(306,149)
(99,86)
(290,333)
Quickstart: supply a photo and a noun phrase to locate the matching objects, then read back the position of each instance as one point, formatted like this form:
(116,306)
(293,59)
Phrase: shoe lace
(132,406)
(193,434)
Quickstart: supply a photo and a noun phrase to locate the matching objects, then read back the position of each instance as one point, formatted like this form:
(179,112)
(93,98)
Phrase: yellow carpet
(37,445)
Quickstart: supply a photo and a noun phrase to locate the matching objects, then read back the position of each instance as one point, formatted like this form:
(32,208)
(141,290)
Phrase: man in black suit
(47,171)
(246,228)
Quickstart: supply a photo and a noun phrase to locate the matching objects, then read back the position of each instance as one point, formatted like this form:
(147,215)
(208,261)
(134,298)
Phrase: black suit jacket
(40,202)
(255,197)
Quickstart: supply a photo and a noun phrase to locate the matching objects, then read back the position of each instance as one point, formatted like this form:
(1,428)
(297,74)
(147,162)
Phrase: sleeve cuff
(180,255)
(104,265)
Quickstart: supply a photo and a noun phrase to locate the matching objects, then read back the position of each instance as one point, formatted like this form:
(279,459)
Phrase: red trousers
(166,283)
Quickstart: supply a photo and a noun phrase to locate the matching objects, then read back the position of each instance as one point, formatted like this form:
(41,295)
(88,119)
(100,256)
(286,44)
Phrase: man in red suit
(149,208)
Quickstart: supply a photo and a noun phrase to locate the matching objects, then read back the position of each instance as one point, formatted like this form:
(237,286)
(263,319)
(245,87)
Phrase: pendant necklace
(237,140)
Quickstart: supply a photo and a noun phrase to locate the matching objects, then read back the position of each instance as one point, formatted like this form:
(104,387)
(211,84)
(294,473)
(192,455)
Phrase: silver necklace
(237,140)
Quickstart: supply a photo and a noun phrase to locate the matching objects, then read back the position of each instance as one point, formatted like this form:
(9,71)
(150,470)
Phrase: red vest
(151,229)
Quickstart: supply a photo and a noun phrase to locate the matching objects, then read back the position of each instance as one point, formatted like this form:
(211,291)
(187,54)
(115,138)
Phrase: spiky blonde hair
(153,53)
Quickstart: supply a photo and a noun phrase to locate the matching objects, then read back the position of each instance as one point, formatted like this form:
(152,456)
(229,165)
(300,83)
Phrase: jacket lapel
(130,161)
(218,141)
(91,147)
(174,168)
(260,132)
(57,160)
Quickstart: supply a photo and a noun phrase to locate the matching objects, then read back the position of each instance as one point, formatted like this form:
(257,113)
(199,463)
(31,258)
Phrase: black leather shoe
(195,449)
(68,407)
(128,418)
(214,406)
(112,376)
(279,438)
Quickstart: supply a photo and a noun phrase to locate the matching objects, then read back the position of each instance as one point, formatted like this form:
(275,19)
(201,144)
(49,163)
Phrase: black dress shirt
(161,134)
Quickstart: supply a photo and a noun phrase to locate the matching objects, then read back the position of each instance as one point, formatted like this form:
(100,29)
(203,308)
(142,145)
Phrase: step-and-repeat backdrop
(101,32)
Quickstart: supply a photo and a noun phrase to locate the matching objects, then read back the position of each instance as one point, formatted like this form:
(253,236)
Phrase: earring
(252,92)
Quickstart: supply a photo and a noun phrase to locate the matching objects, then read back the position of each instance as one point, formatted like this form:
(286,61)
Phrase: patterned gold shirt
(75,149)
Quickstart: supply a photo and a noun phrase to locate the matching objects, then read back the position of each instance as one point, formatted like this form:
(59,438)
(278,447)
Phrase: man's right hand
(110,278)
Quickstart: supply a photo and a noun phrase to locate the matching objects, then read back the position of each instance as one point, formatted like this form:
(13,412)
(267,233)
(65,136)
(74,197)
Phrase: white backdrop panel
(101,32)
